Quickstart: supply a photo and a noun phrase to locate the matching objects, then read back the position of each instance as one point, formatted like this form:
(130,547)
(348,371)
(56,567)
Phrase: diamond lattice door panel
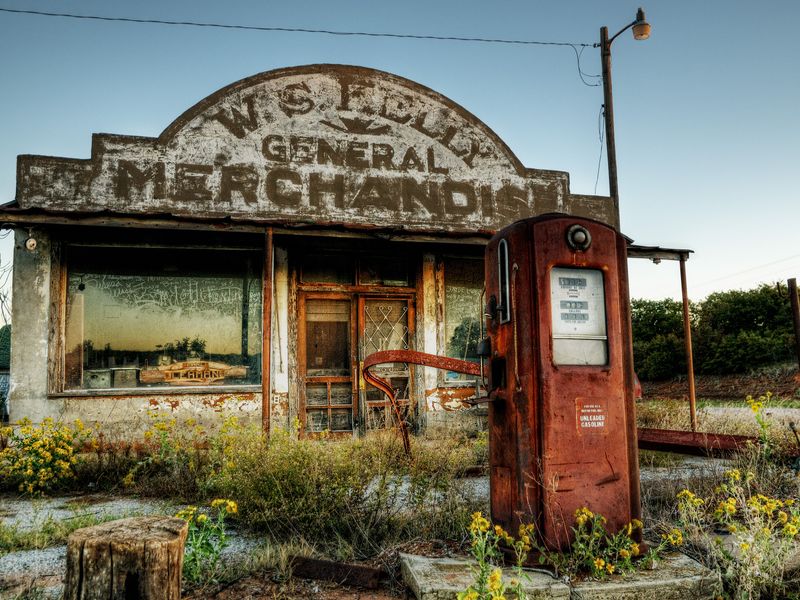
(386,324)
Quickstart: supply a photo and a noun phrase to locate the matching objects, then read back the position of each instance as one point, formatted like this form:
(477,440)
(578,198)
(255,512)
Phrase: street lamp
(641,31)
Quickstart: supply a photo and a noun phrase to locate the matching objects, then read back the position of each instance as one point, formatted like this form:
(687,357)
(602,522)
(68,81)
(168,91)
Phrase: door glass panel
(386,327)
(341,419)
(327,338)
(341,393)
(317,420)
(317,395)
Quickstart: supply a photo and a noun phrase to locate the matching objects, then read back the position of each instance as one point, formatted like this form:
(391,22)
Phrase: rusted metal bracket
(343,573)
(416,358)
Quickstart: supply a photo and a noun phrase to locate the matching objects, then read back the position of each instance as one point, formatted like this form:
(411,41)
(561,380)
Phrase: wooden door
(327,363)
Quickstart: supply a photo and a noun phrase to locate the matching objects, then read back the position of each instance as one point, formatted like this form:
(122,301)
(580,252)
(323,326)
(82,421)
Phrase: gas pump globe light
(579,238)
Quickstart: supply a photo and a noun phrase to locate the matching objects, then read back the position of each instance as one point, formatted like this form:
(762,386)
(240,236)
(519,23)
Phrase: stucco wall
(29,335)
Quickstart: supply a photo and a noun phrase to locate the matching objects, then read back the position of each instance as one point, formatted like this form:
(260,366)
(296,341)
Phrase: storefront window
(463,282)
(144,317)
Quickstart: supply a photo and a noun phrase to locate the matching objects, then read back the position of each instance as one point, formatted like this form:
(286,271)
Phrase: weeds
(351,497)
(50,533)
(206,540)
(742,533)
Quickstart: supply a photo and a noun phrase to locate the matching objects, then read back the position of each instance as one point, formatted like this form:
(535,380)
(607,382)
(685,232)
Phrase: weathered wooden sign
(323,144)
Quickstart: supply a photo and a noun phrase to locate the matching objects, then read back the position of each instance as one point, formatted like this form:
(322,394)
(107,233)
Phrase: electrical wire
(581,73)
(601,133)
(756,268)
(447,38)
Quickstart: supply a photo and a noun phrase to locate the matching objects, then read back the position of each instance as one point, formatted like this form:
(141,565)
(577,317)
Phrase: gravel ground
(26,514)
(44,569)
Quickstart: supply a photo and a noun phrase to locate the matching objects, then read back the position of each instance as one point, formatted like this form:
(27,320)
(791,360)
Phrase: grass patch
(655,459)
(51,532)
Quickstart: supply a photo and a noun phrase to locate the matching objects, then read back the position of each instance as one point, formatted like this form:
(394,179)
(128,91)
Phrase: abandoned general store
(252,255)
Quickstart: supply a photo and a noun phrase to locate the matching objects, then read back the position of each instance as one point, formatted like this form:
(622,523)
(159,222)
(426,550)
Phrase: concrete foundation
(677,577)
(444,578)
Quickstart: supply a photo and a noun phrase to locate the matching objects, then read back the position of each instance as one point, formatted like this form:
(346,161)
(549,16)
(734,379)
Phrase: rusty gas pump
(562,431)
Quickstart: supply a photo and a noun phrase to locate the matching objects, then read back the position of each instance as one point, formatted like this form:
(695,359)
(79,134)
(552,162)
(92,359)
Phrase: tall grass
(352,498)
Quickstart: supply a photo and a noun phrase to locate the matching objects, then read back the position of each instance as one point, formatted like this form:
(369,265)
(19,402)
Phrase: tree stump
(129,559)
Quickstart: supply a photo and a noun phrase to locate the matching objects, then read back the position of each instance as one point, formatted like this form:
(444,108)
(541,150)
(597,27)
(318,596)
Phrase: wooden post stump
(129,559)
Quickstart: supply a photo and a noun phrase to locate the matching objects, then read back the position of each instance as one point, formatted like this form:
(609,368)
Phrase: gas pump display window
(577,300)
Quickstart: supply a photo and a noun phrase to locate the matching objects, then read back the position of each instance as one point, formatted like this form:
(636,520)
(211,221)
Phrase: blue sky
(707,122)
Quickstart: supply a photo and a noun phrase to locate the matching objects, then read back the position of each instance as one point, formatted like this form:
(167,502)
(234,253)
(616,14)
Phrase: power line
(757,267)
(447,38)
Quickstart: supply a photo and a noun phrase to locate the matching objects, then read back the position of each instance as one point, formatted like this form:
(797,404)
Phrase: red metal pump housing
(560,376)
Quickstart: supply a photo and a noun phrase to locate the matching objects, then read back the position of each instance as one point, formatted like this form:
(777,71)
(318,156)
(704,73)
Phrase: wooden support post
(687,336)
(139,558)
(795,315)
(266,332)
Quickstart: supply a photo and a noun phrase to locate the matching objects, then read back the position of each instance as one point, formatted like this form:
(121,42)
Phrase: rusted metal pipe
(792,283)
(266,332)
(687,339)
(415,358)
(692,442)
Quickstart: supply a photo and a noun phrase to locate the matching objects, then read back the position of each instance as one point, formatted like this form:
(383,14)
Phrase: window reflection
(463,283)
(146,317)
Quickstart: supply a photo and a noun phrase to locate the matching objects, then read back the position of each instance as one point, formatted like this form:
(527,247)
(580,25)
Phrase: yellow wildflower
(599,563)
(733,475)
(610,568)
(624,554)
(674,537)
(202,518)
(495,580)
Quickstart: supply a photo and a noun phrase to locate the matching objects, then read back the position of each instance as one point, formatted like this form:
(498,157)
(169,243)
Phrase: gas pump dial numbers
(577,299)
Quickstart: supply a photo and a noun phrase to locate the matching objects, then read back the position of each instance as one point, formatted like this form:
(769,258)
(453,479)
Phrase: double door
(336,332)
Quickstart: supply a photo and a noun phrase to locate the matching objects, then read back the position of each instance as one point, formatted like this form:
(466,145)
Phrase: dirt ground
(784,384)
(261,588)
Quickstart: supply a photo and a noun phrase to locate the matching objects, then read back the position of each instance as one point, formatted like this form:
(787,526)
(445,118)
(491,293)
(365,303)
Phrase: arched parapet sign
(323,144)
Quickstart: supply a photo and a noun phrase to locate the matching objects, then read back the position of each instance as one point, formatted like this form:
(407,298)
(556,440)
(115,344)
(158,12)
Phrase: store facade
(250,257)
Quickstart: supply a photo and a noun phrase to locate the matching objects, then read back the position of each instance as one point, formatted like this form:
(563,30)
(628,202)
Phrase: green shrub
(661,357)
(732,332)
(652,318)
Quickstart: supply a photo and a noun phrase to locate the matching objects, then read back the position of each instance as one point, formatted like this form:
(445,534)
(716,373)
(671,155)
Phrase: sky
(706,110)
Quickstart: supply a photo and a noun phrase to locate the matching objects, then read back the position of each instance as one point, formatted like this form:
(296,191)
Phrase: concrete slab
(677,577)
(443,578)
